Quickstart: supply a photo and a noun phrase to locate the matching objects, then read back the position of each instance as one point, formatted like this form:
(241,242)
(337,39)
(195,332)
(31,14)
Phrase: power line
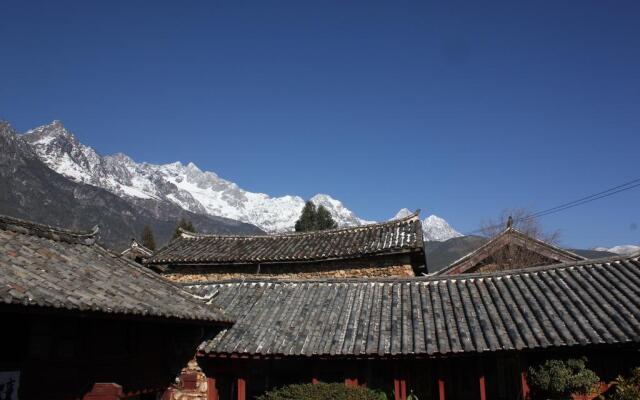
(539,213)
(578,202)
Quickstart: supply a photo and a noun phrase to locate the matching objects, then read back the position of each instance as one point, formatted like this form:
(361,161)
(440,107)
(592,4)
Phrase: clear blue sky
(459,108)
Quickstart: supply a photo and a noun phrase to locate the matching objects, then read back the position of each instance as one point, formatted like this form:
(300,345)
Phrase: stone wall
(396,266)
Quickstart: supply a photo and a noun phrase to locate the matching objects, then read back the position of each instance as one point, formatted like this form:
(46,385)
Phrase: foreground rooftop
(581,303)
(56,269)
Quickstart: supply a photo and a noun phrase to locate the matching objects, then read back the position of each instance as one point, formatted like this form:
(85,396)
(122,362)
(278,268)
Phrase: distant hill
(442,254)
(593,253)
(33,191)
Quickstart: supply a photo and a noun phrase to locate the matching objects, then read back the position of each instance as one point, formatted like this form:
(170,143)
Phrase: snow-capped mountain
(201,192)
(31,190)
(434,228)
(624,250)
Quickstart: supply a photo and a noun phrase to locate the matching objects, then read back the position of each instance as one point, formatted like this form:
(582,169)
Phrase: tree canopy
(185,225)
(314,219)
(148,239)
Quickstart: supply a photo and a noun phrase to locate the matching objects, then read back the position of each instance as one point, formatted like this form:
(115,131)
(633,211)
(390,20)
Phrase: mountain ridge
(187,186)
(35,192)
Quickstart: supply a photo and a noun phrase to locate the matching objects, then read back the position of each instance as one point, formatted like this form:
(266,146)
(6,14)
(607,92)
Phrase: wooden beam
(104,391)
(242,389)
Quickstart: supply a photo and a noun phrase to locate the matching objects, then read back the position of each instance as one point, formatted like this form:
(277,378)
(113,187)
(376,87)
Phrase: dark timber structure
(74,314)
(392,248)
(460,337)
(510,249)
(136,252)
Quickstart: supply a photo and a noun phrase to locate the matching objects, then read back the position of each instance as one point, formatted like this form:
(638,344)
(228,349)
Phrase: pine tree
(148,240)
(185,225)
(314,219)
(307,220)
(324,220)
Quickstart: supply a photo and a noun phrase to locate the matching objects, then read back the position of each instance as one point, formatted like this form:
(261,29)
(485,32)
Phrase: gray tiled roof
(581,303)
(510,236)
(50,267)
(398,236)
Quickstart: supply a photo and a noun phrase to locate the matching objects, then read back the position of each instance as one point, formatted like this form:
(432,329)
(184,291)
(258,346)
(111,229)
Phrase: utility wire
(578,202)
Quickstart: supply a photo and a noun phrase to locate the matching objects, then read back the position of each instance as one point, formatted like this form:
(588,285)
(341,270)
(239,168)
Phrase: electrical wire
(578,202)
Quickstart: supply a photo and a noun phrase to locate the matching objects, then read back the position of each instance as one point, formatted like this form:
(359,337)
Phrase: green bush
(558,379)
(626,388)
(320,391)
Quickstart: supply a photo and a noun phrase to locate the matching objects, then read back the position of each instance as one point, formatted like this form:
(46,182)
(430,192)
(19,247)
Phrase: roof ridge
(495,239)
(193,235)
(47,231)
(155,276)
(428,278)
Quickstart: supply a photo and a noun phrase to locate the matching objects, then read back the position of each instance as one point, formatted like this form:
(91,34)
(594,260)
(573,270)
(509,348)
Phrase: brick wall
(399,266)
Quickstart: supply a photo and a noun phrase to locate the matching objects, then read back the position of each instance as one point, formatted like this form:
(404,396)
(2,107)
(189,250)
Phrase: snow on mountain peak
(434,228)
(189,187)
(623,250)
(342,215)
(403,213)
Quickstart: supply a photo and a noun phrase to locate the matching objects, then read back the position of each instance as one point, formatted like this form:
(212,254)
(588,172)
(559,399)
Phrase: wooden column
(212,393)
(242,388)
(481,380)
(399,383)
(441,386)
(396,388)
(524,384)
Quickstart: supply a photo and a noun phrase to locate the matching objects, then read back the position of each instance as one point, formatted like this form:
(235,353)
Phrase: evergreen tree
(148,240)
(314,219)
(324,220)
(186,225)
(307,220)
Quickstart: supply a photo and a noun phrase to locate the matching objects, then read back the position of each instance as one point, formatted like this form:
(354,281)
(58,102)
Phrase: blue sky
(459,108)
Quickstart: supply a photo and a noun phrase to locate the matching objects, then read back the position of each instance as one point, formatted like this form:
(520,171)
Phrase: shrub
(320,391)
(626,388)
(558,379)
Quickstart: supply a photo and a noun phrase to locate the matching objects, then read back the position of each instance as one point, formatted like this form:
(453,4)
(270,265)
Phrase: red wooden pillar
(399,384)
(242,388)
(481,380)
(400,388)
(524,384)
(441,386)
(212,393)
